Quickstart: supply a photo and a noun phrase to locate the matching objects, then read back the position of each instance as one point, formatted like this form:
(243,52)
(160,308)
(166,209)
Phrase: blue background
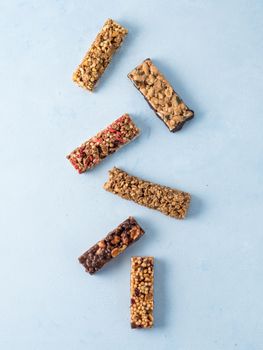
(209,278)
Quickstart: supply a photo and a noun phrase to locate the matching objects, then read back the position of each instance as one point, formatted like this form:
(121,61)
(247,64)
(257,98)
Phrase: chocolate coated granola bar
(167,200)
(142,281)
(93,151)
(99,55)
(128,232)
(160,95)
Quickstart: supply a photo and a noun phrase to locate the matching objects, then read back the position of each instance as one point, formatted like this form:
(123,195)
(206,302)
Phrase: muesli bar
(117,241)
(167,200)
(93,151)
(160,95)
(142,282)
(99,55)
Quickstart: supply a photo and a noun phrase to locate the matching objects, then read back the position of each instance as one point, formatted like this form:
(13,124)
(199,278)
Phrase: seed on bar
(93,151)
(167,200)
(142,302)
(116,242)
(160,95)
(99,55)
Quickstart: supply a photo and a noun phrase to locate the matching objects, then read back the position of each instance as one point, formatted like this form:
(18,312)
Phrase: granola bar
(142,281)
(167,200)
(160,95)
(99,55)
(93,151)
(128,232)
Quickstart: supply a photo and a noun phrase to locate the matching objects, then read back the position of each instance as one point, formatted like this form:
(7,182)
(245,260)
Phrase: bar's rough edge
(180,125)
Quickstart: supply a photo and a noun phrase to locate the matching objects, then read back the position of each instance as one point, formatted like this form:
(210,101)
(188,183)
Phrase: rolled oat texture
(97,59)
(142,289)
(108,141)
(160,95)
(116,242)
(167,200)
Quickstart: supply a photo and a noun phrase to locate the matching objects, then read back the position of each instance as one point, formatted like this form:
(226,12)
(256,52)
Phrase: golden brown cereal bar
(167,200)
(99,55)
(160,95)
(93,151)
(142,302)
(128,232)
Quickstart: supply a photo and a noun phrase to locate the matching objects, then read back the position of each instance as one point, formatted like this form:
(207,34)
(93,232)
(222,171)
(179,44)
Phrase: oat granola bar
(93,151)
(160,95)
(117,241)
(142,302)
(99,55)
(167,200)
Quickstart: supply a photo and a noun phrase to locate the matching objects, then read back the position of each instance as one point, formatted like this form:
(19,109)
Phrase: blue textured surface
(209,278)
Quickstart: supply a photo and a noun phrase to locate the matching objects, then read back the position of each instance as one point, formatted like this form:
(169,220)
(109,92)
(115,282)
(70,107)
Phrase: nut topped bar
(128,232)
(160,95)
(93,151)
(99,55)
(167,200)
(142,281)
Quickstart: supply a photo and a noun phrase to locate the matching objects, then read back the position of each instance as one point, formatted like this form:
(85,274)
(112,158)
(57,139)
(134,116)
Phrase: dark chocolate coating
(128,232)
(178,126)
